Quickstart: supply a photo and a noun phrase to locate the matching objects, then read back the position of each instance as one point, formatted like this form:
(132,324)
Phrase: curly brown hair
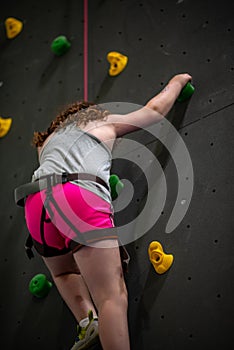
(81,111)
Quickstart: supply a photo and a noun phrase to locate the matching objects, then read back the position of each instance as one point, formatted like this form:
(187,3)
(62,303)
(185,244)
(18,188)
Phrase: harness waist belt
(23,191)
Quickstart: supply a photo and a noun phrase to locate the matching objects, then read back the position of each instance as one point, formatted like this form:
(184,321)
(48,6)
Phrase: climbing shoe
(87,336)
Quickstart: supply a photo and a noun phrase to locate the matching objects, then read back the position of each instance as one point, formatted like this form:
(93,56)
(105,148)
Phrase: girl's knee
(119,302)
(117,296)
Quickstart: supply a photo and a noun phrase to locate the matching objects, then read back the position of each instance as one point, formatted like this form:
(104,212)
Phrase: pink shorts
(75,209)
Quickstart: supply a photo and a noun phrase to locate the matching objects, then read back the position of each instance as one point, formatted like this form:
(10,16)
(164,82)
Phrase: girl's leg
(63,268)
(102,271)
(70,284)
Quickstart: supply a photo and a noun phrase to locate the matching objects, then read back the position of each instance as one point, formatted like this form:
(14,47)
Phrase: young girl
(70,215)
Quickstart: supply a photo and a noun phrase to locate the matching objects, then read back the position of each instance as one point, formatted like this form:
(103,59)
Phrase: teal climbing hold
(60,45)
(186,92)
(39,286)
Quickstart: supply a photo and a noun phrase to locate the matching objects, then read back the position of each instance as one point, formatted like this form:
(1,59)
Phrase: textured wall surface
(191,306)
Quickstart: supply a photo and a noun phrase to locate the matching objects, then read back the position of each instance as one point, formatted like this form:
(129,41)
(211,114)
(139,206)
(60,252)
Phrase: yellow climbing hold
(117,62)
(13,27)
(161,261)
(5,124)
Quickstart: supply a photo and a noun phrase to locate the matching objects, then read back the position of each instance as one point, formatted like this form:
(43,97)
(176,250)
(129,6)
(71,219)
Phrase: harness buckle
(28,247)
(64,178)
(58,178)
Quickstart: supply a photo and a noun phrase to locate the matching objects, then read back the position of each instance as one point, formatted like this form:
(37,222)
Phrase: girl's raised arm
(153,111)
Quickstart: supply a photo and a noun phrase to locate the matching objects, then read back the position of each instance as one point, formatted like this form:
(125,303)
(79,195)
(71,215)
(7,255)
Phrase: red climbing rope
(85,50)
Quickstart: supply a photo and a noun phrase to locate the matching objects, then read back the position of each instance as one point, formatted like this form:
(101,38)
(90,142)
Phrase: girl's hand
(182,79)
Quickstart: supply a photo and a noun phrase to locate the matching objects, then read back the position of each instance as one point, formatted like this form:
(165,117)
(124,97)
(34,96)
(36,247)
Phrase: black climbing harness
(23,191)
(47,182)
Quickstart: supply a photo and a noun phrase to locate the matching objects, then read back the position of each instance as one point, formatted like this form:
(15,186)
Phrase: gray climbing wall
(191,306)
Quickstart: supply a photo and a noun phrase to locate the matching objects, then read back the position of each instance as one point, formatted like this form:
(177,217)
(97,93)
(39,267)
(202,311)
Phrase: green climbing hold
(116,186)
(60,45)
(186,92)
(39,286)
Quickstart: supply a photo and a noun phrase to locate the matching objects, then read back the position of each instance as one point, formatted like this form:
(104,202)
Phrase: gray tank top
(72,150)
